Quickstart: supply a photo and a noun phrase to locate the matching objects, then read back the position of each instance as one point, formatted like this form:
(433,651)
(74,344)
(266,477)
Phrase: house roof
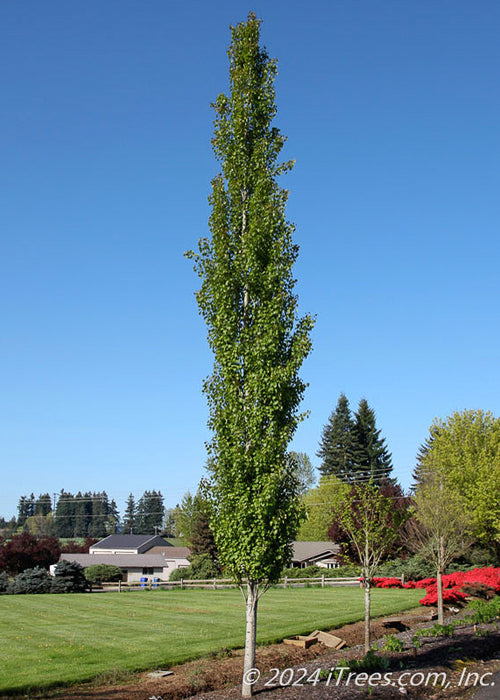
(171,552)
(123,561)
(129,542)
(305,551)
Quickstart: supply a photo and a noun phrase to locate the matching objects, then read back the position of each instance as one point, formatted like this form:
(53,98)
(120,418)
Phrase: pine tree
(43,504)
(129,516)
(83,514)
(372,459)
(336,446)
(64,520)
(150,512)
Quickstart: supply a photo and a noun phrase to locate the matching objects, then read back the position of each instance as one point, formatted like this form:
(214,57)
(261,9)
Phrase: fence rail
(220,583)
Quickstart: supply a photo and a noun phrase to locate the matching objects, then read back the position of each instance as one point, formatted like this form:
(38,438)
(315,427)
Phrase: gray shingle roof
(129,542)
(123,561)
(304,551)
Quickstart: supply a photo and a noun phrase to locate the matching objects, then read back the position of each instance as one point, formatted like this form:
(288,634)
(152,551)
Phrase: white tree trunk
(367,616)
(440,597)
(250,636)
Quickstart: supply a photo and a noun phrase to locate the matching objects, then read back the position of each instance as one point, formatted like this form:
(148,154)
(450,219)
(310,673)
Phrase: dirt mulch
(219,676)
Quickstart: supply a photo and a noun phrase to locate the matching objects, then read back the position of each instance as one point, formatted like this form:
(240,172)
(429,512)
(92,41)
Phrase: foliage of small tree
(69,577)
(319,505)
(26,551)
(464,451)
(248,301)
(372,524)
(441,530)
(36,580)
(97,573)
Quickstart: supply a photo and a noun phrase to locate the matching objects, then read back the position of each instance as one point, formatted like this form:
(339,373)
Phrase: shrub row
(69,577)
(453,584)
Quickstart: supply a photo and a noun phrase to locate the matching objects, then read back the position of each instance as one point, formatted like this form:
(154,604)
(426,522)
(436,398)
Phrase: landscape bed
(50,640)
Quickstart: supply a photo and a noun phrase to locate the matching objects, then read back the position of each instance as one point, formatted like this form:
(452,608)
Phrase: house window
(148,571)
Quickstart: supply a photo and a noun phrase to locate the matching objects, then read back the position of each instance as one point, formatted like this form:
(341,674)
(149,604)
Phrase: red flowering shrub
(452,583)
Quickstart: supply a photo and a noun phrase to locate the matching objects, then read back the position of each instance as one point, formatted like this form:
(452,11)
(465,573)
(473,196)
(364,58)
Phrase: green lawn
(58,639)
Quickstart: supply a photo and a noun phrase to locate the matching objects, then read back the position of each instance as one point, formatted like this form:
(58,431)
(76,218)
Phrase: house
(324,554)
(136,555)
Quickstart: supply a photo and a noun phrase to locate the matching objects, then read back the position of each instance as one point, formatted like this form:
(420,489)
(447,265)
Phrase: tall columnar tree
(64,517)
(336,446)
(248,301)
(372,459)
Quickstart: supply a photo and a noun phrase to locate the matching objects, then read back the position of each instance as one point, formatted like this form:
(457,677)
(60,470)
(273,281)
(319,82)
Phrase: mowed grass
(48,640)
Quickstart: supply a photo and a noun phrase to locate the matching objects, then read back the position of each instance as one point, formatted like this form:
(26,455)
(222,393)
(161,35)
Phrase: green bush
(308,572)
(96,573)
(202,567)
(69,577)
(4,582)
(35,580)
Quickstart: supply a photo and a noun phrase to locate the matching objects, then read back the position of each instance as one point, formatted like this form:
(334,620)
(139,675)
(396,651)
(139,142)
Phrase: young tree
(442,526)
(336,446)
(372,524)
(372,459)
(464,450)
(248,301)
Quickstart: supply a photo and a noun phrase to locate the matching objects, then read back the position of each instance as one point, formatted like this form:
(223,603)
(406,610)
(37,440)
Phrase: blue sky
(391,109)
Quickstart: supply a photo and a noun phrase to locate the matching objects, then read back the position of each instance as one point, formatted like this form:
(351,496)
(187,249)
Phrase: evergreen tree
(129,516)
(336,446)
(150,512)
(43,504)
(64,519)
(100,508)
(83,514)
(372,459)
(248,301)
(202,538)
(22,511)
(113,521)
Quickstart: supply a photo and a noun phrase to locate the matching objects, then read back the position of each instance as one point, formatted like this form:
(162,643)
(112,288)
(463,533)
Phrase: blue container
(155,582)
(143,581)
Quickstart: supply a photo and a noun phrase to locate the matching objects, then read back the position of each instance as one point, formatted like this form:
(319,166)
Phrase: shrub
(35,580)
(4,582)
(96,573)
(479,590)
(202,567)
(69,577)
(308,572)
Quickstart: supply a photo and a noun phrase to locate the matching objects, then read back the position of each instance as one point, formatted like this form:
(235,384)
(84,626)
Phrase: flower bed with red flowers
(452,584)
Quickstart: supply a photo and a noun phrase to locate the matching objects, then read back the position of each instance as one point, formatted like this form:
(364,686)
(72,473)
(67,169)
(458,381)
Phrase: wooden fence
(220,583)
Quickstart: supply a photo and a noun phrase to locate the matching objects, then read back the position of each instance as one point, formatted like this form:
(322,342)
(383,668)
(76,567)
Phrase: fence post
(403,579)
(285,581)
(214,584)
(182,583)
(322,580)
(119,586)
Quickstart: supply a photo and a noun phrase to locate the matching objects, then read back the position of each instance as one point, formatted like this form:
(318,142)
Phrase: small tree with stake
(247,300)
